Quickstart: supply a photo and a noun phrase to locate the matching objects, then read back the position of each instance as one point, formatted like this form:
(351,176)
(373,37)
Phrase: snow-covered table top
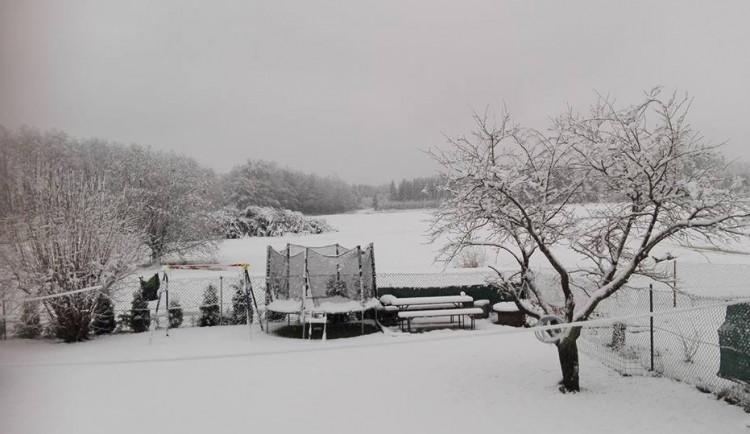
(409,301)
(505,306)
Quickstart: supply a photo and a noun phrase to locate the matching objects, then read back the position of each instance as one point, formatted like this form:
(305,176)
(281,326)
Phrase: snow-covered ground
(401,246)
(219,380)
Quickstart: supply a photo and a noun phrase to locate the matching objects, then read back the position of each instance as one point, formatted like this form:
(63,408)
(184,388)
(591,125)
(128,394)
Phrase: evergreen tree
(239,306)
(375,204)
(210,312)
(175,313)
(30,325)
(392,192)
(104,316)
(140,315)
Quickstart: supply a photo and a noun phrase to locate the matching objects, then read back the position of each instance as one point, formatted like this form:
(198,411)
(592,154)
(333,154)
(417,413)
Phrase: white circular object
(549,336)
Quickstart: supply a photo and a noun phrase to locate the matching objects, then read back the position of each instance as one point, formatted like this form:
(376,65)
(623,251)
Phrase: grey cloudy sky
(356,89)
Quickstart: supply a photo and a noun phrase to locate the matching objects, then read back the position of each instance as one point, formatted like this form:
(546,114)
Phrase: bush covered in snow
(104,316)
(239,306)
(175,314)
(140,316)
(210,314)
(29,327)
(256,221)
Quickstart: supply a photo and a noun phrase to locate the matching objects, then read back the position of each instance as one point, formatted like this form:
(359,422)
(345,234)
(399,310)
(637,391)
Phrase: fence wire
(683,346)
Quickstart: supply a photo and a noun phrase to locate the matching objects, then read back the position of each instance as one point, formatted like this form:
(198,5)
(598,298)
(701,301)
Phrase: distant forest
(166,180)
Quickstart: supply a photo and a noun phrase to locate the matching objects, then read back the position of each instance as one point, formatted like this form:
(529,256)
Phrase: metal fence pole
(651,321)
(5,325)
(221,300)
(674,283)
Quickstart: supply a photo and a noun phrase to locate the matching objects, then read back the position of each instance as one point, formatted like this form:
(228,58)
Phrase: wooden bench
(462,312)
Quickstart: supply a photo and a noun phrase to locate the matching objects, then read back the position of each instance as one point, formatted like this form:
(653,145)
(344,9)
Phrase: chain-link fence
(684,345)
(220,300)
(681,344)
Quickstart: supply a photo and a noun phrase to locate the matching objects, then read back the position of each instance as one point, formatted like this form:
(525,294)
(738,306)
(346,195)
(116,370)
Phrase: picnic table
(408,308)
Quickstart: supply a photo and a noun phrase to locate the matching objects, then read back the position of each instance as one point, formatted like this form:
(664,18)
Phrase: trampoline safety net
(320,272)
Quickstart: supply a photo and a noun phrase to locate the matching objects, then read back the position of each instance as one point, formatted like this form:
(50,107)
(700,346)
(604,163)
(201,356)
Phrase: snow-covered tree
(515,189)
(65,232)
(171,197)
(239,306)
(104,316)
(140,315)
(175,313)
(29,325)
(210,310)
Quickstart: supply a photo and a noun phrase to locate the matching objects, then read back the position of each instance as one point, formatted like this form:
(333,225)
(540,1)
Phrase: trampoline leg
(325,331)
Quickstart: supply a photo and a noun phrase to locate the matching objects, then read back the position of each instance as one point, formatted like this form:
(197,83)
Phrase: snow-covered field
(219,380)
(437,382)
(401,246)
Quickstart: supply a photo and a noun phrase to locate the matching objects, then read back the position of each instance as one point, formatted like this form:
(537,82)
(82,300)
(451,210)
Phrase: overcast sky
(356,89)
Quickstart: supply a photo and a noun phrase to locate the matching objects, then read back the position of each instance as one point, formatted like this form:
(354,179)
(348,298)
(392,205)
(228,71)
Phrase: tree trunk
(567,350)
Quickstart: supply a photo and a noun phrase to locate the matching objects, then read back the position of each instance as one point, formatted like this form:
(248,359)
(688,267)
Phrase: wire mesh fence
(685,346)
(220,300)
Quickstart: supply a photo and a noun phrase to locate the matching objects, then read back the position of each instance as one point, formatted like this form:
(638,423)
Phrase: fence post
(5,325)
(674,283)
(651,321)
(221,300)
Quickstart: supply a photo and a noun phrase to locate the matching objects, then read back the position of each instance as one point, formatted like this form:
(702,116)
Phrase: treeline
(169,197)
(416,189)
(263,183)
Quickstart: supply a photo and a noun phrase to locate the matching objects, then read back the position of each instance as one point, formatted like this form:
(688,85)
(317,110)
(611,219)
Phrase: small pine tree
(104,316)
(336,286)
(123,322)
(239,306)
(140,315)
(30,326)
(210,311)
(175,313)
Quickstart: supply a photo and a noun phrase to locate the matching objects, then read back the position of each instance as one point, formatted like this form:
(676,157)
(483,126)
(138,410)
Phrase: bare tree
(66,233)
(524,193)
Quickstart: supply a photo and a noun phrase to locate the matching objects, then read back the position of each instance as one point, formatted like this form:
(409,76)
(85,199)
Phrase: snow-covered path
(370,384)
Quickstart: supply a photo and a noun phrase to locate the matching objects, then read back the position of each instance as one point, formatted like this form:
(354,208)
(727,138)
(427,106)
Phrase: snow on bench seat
(481,303)
(439,312)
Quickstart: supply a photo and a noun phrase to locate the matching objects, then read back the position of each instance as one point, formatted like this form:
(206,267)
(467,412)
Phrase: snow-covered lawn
(217,380)
(401,246)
